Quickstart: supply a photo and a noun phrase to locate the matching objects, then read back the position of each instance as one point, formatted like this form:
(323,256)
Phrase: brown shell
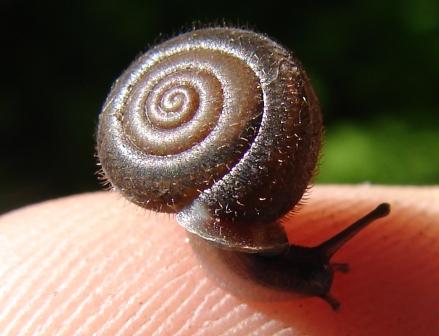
(218,125)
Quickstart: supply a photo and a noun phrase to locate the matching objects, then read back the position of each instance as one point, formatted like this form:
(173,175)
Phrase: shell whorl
(219,125)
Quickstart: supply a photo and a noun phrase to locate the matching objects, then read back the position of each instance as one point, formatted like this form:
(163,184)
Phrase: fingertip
(96,264)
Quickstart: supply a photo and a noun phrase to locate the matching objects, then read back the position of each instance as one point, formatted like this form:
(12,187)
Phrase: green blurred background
(374,65)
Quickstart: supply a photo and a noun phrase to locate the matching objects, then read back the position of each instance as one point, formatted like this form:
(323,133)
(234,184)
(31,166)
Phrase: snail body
(220,126)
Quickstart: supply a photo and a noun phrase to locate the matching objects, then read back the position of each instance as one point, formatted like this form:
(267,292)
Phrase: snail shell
(218,125)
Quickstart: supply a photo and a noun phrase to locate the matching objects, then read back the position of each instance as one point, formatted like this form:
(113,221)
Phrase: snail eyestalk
(332,245)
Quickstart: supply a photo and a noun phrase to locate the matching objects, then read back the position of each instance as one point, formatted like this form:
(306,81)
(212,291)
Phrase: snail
(222,127)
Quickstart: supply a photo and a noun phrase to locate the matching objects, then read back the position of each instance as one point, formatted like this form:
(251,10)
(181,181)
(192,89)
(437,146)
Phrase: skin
(93,263)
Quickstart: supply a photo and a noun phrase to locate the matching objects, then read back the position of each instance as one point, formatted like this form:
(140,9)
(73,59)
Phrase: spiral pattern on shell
(219,125)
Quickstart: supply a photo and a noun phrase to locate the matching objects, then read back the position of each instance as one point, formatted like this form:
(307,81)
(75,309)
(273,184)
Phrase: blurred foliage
(384,150)
(374,65)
